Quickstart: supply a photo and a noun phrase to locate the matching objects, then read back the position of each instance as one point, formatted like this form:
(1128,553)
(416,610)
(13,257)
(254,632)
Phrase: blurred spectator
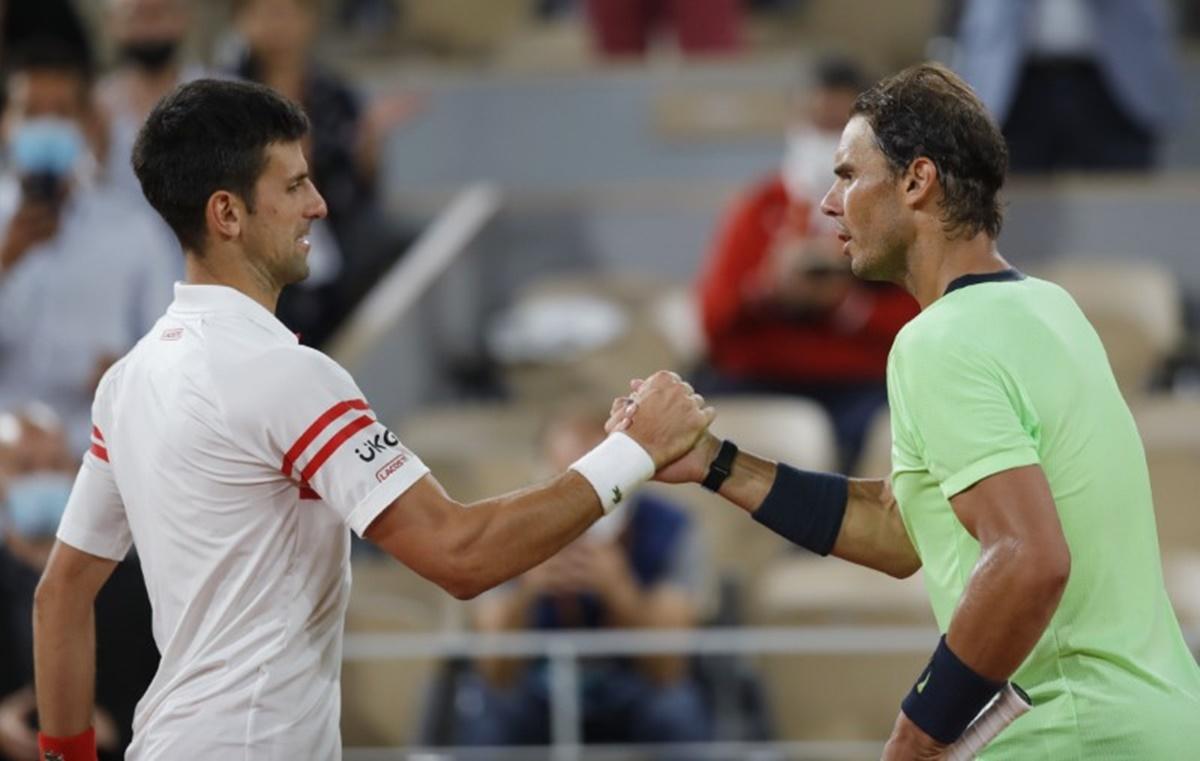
(83,274)
(27,20)
(626,27)
(343,155)
(641,567)
(780,309)
(148,36)
(1074,84)
(36,473)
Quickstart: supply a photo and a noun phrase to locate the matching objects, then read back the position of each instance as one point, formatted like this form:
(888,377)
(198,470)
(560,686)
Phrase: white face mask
(808,168)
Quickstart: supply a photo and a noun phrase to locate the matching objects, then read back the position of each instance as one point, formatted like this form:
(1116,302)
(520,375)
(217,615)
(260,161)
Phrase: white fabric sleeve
(94,520)
(304,415)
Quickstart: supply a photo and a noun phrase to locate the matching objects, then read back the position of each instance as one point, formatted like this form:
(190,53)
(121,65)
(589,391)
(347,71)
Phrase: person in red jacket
(781,311)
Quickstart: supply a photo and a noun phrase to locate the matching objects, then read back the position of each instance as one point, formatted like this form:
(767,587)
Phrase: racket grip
(1008,705)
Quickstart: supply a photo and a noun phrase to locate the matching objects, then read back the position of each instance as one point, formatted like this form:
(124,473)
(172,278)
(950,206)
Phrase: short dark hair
(47,53)
(209,135)
(927,110)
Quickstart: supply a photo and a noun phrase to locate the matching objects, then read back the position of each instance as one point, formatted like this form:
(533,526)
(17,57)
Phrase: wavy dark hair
(927,110)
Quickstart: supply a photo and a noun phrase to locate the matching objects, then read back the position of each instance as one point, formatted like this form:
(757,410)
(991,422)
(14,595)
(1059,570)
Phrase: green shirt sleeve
(967,416)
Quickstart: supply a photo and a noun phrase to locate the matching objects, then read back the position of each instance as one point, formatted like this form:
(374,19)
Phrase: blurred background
(532,201)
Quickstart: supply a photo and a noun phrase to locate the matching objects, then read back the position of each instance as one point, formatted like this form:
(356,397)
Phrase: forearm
(1006,607)
(503,537)
(872,533)
(64,662)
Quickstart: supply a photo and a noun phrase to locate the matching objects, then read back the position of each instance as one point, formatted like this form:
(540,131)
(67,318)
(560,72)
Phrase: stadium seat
(1135,306)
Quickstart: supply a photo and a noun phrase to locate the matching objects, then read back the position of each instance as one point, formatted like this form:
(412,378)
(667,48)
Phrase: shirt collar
(1003,276)
(192,298)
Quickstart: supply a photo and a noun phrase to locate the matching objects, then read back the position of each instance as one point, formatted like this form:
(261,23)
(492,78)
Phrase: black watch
(721,466)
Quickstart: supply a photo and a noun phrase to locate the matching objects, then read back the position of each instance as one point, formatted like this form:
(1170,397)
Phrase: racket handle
(1008,705)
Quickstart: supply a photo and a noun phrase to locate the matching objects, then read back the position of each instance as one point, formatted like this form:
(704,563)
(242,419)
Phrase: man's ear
(224,215)
(920,181)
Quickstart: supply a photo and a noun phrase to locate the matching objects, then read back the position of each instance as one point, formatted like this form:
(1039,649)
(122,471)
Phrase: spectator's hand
(33,223)
(604,567)
(909,743)
(383,115)
(802,274)
(108,737)
(691,468)
(665,416)
(18,740)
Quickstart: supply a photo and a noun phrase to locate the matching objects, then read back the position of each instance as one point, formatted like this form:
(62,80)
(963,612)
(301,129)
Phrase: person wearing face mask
(148,37)
(83,272)
(780,309)
(37,471)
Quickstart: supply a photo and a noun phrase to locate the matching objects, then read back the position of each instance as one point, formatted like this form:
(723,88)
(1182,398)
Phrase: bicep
(417,528)
(1015,504)
(75,575)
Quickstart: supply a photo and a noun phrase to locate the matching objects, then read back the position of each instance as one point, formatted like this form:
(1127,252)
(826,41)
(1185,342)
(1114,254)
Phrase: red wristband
(81,747)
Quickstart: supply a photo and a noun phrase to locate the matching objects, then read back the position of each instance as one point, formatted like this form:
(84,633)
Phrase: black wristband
(948,696)
(721,467)
(805,508)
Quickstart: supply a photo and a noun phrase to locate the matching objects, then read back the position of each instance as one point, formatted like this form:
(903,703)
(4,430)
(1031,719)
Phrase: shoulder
(941,341)
(112,380)
(253,378)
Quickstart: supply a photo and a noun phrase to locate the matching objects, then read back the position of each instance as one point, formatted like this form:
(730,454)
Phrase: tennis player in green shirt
(1019,483)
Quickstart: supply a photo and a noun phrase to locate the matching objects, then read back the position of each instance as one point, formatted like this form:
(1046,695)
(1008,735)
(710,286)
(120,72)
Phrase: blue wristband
(805,507)
(948,696)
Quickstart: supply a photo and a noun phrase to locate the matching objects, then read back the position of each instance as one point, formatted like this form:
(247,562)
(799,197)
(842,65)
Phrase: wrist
(720,464)
(615,468)
(948,695)
(81,747)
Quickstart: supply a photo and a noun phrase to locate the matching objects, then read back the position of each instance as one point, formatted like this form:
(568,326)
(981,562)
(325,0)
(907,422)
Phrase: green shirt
(1003,372)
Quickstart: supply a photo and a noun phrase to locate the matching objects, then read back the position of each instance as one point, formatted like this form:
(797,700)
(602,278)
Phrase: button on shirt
(235,460)
(89,292)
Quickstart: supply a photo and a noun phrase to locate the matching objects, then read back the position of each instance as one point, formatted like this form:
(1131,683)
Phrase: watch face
(52,755)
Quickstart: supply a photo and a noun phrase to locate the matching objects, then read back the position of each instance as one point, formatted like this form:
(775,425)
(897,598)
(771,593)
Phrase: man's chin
(297,274)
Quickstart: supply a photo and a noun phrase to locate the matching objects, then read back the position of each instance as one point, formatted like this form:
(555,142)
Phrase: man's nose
(829,205)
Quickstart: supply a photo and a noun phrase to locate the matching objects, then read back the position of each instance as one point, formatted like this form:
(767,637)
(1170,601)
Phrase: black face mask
(150,55)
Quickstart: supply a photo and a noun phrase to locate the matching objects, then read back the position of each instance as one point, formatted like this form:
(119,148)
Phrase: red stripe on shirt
(314,430)
(307,492)
(97,434)
(331,446)
(99,451)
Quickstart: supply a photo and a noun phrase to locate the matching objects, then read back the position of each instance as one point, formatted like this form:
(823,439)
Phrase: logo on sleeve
(372,447)
(393,465)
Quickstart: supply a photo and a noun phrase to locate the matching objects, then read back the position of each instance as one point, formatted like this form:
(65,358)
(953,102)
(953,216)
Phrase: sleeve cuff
(383,495)
(94,543)
(987,466)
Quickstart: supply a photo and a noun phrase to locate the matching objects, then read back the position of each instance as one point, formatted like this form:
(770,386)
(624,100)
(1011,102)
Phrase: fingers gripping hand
(667,417)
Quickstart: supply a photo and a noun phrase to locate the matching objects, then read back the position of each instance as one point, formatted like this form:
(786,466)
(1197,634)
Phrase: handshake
(669,420)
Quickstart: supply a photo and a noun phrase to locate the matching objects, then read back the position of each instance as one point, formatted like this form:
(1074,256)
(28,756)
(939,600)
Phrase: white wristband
(614,468)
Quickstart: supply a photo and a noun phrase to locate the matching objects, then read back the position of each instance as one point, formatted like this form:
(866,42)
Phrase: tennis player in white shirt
(236,461)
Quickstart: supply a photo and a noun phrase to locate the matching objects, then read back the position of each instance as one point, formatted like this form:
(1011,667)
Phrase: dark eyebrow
(298,178)
(841,168)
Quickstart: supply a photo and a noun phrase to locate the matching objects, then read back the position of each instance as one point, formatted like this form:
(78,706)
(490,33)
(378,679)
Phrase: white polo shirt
(234,459)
